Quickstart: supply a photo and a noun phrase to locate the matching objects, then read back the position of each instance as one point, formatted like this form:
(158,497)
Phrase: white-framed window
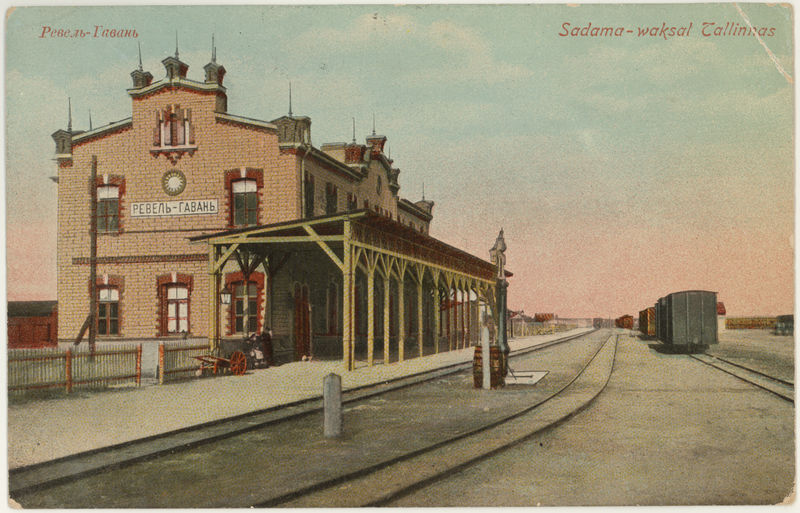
(177,309)
(245,202)
(242,295)
(108,311)
(107,208)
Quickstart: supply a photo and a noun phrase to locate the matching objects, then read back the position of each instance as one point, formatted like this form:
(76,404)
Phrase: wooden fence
(527,329)
(750,323)
(176,360)
(47,368)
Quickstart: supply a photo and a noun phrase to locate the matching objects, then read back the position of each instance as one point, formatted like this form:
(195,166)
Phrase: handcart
(236,363)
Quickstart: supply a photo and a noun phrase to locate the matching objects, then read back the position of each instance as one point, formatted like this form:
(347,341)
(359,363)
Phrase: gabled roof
(224,116)
(421,246)
(353,172)
(178,82)
(414,209)
(102,130)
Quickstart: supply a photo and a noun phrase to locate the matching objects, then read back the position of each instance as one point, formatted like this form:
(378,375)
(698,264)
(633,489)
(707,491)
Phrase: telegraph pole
(93,258)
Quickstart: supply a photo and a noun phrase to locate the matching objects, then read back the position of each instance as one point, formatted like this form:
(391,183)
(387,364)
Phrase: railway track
(64,470)
(776,386)
(385,482)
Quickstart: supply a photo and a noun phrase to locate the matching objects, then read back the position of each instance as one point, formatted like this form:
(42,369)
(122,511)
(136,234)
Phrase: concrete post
(332,405)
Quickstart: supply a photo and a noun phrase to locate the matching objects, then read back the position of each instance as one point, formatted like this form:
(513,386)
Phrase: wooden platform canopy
(380,247)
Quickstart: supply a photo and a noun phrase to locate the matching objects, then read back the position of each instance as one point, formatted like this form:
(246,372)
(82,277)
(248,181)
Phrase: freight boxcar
(647,322)
(687,320)
(661,318)
(624,322)
(784,325)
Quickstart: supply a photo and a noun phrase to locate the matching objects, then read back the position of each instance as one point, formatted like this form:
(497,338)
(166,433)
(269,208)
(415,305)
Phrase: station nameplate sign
(174,208)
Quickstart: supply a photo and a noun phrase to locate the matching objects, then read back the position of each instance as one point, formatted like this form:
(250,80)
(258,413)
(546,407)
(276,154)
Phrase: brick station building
(193,200)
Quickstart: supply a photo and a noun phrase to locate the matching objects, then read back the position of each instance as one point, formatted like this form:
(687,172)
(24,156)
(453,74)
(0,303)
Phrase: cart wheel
(238,363)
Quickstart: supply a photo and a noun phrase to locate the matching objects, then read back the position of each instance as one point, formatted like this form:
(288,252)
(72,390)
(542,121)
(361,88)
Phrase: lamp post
(498,354)
(499,259)
(225,299)
(225,296)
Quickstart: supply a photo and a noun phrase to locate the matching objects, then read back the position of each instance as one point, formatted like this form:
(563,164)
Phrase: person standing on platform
(266,345)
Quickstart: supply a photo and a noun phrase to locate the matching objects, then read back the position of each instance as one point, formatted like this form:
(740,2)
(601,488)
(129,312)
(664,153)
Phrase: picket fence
(119,365)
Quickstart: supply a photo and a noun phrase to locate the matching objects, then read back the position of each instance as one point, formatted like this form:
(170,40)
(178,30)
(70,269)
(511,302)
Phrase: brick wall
(147,247)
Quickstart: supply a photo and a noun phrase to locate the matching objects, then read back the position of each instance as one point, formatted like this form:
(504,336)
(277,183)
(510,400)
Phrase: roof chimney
(175,68)
(214,72)
(140,77)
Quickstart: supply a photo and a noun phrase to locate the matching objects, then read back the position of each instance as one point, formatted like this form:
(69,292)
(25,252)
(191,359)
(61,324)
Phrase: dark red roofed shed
(32,324)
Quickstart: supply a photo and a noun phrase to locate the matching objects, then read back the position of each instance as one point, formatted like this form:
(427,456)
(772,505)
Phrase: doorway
(302,322)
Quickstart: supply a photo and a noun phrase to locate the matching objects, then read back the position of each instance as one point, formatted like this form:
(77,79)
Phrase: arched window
(107,311)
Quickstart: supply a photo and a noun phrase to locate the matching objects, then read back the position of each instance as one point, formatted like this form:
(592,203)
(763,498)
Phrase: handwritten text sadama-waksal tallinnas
(666,31)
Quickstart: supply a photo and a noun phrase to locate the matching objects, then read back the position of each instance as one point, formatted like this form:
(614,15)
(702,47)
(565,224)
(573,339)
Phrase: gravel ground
(257,466)
(47,429)
(668,430)
(759,350)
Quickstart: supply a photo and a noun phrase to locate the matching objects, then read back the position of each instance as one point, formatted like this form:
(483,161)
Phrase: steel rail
(339,480)
(745,379)
(754,371)
(414,487)
(18,483)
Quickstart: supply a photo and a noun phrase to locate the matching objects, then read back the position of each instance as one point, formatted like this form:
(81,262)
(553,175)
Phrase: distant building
(193,201)
(519,323)
(32,324)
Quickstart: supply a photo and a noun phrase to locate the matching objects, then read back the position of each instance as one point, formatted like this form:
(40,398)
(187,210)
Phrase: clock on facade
(173,182)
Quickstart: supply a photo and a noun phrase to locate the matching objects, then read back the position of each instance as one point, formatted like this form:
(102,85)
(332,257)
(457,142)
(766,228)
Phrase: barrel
(477,367)
(496,368)
(497,372)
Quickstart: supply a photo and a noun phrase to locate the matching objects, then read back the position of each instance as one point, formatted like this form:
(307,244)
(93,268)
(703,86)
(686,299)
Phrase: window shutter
(189,130)
(157,130)
(180,133)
